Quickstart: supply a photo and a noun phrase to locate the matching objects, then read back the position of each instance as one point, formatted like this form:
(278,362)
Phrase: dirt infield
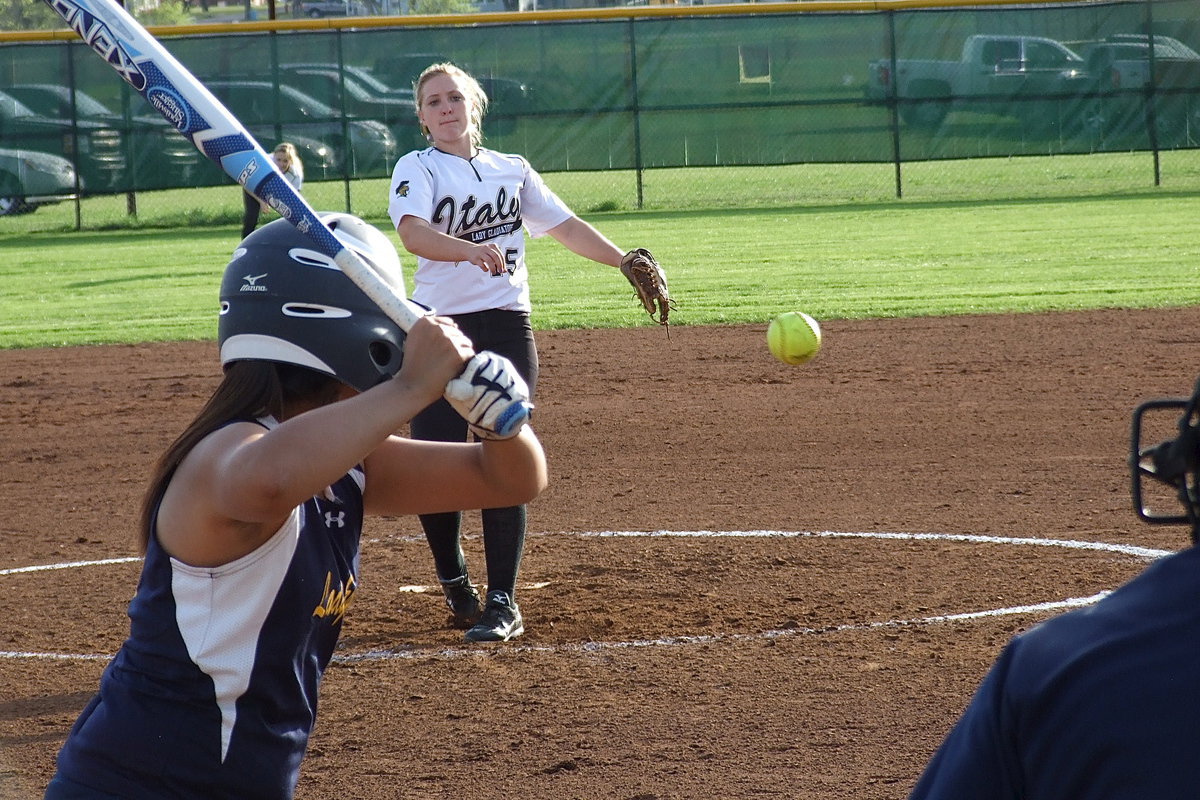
(718,648)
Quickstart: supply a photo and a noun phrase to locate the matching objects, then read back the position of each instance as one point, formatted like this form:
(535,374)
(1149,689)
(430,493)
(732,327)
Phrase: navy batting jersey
(214,693)
(1102,703)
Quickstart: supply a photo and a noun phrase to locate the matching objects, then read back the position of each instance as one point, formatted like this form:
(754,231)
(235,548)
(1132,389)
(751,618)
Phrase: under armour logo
(339,518)
(402,189)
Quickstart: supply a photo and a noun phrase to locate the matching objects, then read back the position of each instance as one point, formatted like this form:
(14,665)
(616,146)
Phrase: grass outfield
(834,257)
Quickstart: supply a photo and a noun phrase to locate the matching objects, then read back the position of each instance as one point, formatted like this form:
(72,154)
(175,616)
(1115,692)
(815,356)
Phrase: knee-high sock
(504,543)
(442,533)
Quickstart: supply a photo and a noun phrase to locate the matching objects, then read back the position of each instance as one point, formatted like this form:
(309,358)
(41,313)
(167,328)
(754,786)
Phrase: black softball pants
(510,334)
(251,209)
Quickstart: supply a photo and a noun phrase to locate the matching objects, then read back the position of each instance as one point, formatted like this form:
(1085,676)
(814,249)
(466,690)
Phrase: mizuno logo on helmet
(251,283)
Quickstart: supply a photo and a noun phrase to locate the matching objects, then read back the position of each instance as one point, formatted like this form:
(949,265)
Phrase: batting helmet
(283,301)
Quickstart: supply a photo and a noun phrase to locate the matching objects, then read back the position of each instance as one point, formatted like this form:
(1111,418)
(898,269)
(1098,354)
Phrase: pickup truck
(991,68)
(96,149)
(1122,61)
(1120,66)
(157,154)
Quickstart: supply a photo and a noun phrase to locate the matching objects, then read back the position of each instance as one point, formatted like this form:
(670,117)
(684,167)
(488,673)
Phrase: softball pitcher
(463,210)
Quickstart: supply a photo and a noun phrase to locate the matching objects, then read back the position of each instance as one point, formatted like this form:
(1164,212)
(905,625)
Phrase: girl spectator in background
(288,161)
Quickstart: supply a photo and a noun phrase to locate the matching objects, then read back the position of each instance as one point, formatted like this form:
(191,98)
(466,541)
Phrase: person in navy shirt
(1100,703)
(252,521)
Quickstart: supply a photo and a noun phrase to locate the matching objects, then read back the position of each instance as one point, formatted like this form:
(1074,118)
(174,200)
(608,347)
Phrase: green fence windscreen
(640,93)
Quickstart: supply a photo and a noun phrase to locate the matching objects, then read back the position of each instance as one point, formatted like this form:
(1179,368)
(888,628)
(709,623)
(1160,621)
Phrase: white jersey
(295,178)
(491,197)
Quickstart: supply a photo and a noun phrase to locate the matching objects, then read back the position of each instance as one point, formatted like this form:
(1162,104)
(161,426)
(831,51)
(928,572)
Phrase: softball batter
(252,521)
(463,210)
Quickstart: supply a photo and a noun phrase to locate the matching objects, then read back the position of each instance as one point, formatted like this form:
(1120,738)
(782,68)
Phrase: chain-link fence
(848,103)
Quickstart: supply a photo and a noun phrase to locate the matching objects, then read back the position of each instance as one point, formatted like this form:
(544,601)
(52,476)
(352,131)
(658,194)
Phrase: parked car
(362,148)
(327,8)
(508,98)
(29,179)
(359,94)
(990,68)
(96,149)
(402,69)
(159,155)
(363,77)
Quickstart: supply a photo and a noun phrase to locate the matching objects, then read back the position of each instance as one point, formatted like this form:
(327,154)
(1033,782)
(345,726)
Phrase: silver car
(29,179)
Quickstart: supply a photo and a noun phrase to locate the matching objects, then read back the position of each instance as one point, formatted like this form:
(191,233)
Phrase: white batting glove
(490,396)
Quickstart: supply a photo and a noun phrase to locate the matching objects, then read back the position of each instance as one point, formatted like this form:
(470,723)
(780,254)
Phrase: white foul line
(69,565)
(668,641)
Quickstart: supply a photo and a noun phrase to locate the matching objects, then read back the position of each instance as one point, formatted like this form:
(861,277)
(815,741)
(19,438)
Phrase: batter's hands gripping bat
(184,101)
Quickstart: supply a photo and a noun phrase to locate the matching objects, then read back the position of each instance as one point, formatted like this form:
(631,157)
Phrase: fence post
(69,52)
(893,111)
(338,42)
(637,123)
(1150,97)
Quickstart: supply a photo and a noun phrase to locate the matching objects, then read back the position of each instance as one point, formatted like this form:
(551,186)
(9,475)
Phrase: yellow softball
(794,337)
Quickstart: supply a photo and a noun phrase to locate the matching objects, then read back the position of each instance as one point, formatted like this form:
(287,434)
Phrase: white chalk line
(674,641)
(1134,551)
(69,565)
